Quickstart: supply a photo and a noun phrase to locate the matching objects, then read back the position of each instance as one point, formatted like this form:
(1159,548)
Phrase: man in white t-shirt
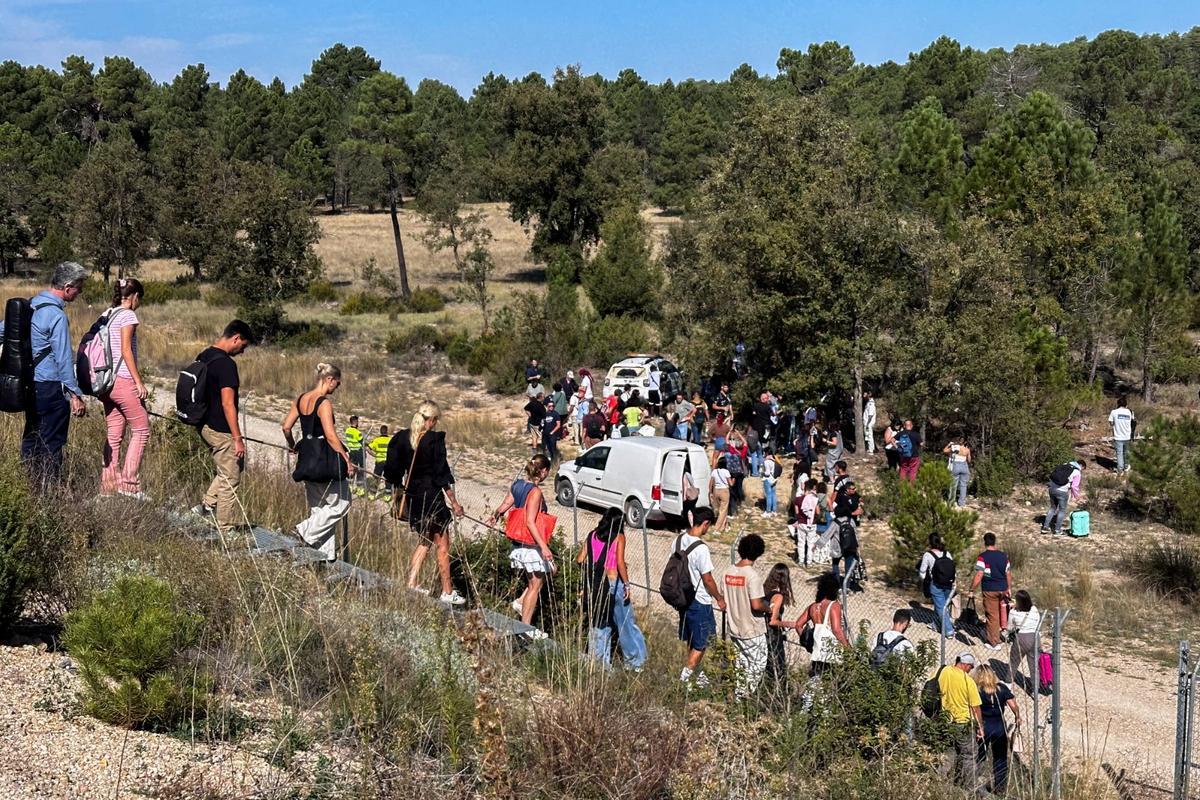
(1124,423)
(893,642)
(654,396)
(745,610)
(698,624)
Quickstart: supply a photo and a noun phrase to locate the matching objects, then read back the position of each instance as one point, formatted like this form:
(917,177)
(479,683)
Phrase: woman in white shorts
(532,554)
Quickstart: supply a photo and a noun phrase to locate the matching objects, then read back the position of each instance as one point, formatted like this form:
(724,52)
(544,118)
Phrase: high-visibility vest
(354,439)
(379,447)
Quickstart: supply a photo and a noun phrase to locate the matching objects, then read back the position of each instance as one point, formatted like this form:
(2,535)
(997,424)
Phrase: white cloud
(29,40)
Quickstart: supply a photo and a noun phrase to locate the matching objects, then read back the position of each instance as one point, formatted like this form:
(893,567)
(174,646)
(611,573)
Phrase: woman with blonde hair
(996,697)
(533,555)
(422,483)
(322,462)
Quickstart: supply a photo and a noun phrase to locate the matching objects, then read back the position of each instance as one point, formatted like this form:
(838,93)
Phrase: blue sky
(458,41)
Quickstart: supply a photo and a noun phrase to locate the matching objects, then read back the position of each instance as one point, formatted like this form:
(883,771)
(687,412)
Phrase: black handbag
(316,460)
(807,637)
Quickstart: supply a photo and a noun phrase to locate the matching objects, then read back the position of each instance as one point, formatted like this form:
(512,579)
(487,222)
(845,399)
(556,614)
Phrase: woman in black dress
(417,468)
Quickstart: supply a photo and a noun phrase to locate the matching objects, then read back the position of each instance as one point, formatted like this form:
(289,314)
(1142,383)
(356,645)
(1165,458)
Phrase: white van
(642,475)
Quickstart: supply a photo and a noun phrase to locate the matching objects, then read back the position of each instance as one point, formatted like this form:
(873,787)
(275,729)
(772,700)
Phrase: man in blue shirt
(56,394)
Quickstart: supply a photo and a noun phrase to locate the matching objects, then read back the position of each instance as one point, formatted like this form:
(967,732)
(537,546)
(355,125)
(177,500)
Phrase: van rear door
(672,481)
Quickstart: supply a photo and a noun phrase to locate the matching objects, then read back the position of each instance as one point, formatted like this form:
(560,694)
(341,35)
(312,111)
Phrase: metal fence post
(646,557)
(1182,703)
(1060,616)
(1036,689)
(575,517)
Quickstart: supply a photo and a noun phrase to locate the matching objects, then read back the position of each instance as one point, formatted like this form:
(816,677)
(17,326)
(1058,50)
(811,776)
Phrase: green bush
(922,509)
(159,292)
(995,475)
(420,338)
(220,297)
(460,349)
(1164,482)
(17,526)
(96,292)
(610,339)
(1170,569)
(305,335)
(425,301)
(131,646)
(367,303)
(321,291)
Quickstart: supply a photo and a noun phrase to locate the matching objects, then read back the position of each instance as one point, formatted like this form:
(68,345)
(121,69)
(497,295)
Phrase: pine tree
(929,170)
(922,509)
(623,278)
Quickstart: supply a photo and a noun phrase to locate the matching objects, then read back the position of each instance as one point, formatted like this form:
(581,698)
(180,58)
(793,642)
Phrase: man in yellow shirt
(379,448)
(354,446)
(961,702)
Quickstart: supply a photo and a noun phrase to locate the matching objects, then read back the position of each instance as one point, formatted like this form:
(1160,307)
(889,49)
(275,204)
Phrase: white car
(634,373)
(642,475)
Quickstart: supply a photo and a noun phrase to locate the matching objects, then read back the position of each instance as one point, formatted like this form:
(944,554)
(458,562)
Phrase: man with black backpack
(689,587)
(55,395)
(215,388)
(1063,486)
(893,642)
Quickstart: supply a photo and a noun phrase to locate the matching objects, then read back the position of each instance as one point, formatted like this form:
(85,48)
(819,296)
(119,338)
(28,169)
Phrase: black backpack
(597,599)
(676,584)
(942,572)
(191,393)
(1061,475)
(883,649)
(847,537)
(17,360)
(931,695)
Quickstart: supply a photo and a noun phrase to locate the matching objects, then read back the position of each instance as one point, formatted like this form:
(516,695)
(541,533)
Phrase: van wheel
(635,512)
(564,493)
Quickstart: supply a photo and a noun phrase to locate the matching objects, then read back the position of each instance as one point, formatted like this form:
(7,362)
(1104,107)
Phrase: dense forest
(985,237)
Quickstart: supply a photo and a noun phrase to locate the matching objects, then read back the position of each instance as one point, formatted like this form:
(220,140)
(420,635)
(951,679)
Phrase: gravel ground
(46,752)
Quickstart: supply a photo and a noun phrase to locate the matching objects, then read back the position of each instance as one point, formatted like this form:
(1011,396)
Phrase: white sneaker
(516,606)
(454,598)
(202,510)
(418,590)
(537,635)
(142,496)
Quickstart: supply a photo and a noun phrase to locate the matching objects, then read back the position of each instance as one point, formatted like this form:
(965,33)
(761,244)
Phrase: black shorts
(428,514)
(655,397)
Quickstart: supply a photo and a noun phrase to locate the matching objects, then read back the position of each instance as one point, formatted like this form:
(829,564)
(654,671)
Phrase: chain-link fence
(1187,785)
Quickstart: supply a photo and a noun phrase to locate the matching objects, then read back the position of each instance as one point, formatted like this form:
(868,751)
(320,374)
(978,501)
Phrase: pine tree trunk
(860,441)
(401,263)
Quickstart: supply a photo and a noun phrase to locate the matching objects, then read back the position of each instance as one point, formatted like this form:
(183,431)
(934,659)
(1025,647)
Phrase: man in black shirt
(220,430)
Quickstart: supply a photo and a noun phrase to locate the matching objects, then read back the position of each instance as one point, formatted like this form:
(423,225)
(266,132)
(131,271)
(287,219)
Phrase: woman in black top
(417,468)
(777,591)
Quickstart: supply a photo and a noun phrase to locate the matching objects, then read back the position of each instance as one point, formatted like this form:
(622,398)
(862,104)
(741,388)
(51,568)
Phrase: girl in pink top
(123,406)
(609,536)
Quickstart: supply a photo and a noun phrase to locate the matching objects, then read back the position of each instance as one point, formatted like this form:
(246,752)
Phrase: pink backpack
(1045,671)
(94,367)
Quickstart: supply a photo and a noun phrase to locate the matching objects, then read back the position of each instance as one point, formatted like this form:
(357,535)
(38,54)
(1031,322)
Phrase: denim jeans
(941,601)
(756,462)
(962,476)
(629,635)
(1056,515)
(770,502)
(1119,445)
(681,431)
(46,423)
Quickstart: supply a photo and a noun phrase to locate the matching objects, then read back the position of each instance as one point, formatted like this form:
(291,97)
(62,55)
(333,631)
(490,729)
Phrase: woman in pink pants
(124,406)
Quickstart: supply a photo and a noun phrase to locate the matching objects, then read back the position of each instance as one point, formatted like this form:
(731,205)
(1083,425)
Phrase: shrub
(425,301)
(159,292)
(995,475)
(301,335)
(97,292)
(17,525)
(460,349)
(421,338)
(623,278)
(220,297)
(921,510)
(321,291)
(367,303)
(130,643)
(1165,482)
(1170,569)
(609,339)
